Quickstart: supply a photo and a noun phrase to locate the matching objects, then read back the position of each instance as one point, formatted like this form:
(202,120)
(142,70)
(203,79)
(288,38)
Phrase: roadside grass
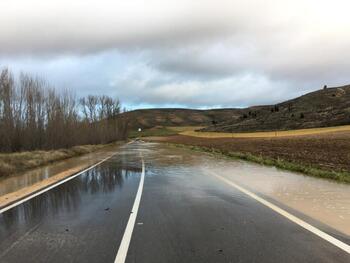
(340,176)
(162,131)
(157,131)
(268,134)
(184,128)
(11,163)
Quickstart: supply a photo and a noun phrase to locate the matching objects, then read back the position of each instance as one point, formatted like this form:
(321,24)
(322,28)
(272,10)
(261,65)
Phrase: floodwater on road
(186,213)
(18,181)
(323,200)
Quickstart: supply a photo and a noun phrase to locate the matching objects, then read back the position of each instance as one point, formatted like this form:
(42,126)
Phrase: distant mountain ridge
(321,108)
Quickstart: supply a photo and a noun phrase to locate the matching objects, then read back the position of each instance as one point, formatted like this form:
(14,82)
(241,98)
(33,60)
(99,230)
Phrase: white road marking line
(2,210)
(345,247)
(124,245)
(52,186)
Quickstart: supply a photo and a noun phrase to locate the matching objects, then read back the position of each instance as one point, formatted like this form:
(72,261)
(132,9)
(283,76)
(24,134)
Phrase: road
(152,203)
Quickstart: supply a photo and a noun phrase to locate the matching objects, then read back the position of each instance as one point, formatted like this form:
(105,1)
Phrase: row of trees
(34,115)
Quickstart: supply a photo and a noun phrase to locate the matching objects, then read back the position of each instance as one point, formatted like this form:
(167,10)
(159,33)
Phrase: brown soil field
(328,151)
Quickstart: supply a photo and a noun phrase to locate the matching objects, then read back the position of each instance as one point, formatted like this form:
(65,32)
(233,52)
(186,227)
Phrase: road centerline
(124,245)
(343,246)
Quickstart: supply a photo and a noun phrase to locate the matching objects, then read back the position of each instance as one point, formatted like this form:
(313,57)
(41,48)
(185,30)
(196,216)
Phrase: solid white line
(289,216)
(124,245)
(56,184)
(52,186)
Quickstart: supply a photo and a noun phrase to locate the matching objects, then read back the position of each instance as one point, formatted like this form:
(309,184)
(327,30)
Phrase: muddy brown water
(326,201)
(186,214)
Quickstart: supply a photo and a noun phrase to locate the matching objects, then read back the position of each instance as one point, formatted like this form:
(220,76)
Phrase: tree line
(33,115)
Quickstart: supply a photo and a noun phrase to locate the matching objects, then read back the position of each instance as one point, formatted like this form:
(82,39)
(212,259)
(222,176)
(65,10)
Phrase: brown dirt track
(329,151)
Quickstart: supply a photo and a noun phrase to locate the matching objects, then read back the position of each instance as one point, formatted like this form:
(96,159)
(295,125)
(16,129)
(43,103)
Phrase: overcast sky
(190,53)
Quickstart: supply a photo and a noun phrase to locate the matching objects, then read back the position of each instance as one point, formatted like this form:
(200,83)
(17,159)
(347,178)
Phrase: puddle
(324,200)
(16,182)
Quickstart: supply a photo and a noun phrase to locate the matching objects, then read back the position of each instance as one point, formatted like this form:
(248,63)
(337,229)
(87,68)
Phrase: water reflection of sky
(9,184)
(106,179)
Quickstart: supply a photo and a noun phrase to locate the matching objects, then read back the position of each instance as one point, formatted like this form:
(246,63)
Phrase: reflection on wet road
(16,182)
(59,220)
(185,215)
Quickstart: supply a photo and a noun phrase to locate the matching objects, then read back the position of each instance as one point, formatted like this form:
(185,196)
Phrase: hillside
(322,108)
(148,118)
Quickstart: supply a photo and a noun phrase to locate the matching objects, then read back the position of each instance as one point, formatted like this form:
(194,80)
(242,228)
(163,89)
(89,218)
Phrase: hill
(322,108)
(149,118)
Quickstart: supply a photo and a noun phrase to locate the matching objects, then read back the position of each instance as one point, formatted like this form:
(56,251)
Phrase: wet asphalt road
(185,215)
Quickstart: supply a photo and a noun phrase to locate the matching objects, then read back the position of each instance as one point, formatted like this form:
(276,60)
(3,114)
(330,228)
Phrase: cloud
(95,25)
(82,26)
(192,53)
(150,85)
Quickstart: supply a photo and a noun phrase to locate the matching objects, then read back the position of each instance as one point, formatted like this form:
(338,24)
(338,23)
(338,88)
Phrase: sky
(180,53)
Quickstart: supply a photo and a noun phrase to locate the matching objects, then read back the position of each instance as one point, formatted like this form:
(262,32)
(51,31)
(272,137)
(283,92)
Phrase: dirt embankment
(330,151)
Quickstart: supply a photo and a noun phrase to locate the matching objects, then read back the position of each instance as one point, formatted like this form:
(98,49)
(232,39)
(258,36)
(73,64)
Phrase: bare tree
(35,116)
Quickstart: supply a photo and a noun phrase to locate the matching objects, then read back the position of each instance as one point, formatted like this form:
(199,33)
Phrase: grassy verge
(17,162)
(268,134)
(162,131)
(279,163)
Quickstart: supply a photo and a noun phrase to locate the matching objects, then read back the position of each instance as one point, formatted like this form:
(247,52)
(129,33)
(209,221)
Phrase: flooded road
(9,184)
(323,200)
(185,213)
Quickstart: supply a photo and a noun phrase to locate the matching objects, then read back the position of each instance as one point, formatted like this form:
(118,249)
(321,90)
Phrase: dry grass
(16,162)
(184,128)
(270,134)
(27,190)
(160,131)
(279,163)
(323,154)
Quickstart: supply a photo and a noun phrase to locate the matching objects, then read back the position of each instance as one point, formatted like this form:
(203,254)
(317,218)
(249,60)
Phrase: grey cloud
(191,53)
(79,26)
(145,84)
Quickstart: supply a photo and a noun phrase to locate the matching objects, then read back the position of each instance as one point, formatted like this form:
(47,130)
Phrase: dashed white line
(124,245)
(345,247)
